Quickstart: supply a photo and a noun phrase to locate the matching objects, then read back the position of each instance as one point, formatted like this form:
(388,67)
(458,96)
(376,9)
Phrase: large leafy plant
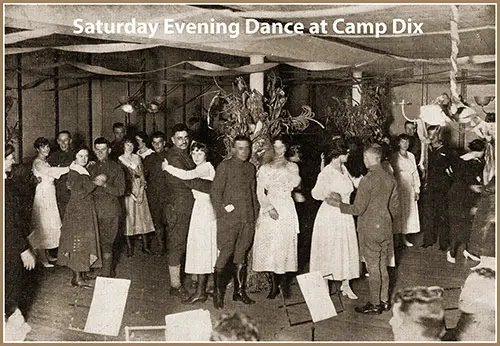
(259,117)
(366,120)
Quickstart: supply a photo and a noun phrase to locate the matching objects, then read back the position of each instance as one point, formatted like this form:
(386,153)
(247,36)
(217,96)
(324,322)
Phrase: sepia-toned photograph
(249,172)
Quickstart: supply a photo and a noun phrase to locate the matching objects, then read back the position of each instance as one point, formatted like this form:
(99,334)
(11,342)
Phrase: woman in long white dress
(138,219)
(201,249)
(45,219)
(277,227)
(334,244)
(406,174)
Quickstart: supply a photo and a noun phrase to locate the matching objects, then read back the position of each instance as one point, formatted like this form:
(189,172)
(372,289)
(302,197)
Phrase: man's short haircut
(235,327)
(118,125)
(64,132)
(179,128)
(375,150)
(158,134)
(408,122)
(403,137)
(242,138)
(101,140)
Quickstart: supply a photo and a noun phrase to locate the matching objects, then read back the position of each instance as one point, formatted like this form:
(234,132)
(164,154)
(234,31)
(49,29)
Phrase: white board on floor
(315,292)
(193,325)
(107,307)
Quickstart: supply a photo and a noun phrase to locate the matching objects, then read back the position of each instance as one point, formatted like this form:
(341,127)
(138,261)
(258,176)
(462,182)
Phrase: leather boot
(219,288)
(200,295)
(274,290)
(145,244)
(239,292)
(106,265)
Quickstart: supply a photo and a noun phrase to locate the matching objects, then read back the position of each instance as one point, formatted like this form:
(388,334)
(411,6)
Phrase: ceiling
(34,26)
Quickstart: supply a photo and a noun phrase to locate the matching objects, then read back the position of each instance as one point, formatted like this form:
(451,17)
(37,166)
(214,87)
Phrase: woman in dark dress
(18,255)
(467,174)
(79,245)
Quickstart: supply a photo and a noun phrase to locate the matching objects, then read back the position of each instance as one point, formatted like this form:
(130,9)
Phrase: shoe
(89,276)
(148,252)
(274,289)
(384,306)
(80,284)
(180,292)
(239,291)
(468,255)
(161,253)
(241,296)
(130,251)
(210,291)
(407,243)
(369,308)
(196,297)
(347,291)
(449,258)
(47,265)
(426,245)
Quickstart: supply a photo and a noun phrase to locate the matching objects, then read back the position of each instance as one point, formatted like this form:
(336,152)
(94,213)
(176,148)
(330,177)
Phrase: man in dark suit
(62,158)
(235,203)
(179,205)
(119,132)
(110,180)
(376,204)
(155,189)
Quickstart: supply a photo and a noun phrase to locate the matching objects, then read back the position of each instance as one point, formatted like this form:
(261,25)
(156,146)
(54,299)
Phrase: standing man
(179,205)
(235,203)
(434,201)
(62,158)
(415,144)
(119,132)
(110,181)
(376,204)
(156,186)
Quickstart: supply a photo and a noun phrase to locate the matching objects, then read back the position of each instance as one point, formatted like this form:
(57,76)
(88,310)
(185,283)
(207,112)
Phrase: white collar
(80,169)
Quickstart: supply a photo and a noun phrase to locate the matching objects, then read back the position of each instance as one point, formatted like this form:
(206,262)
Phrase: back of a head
(235,327)
(421,310)
(373,154)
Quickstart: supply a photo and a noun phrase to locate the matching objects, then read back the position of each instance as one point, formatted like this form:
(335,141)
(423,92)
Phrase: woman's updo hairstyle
(336,148)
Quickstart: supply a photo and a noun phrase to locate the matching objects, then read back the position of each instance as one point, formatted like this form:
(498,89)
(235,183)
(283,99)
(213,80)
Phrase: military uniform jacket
(376,204)
(235,184)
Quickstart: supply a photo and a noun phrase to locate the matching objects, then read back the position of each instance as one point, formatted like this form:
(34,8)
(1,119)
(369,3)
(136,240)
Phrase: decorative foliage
(259,117)
(366,120)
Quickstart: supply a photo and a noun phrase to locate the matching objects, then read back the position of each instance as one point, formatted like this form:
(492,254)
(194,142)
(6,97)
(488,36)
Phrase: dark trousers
(179,217)
(435,218)
(377,256)
(157,209)
(234,238)
(108,230)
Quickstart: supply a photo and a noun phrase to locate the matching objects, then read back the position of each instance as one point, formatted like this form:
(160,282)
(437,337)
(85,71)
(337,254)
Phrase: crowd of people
(206,219)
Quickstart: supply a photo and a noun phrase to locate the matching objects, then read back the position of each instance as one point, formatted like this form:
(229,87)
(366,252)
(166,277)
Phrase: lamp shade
(483,100)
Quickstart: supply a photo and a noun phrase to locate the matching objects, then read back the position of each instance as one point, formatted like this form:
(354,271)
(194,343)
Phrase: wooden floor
(59,310)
